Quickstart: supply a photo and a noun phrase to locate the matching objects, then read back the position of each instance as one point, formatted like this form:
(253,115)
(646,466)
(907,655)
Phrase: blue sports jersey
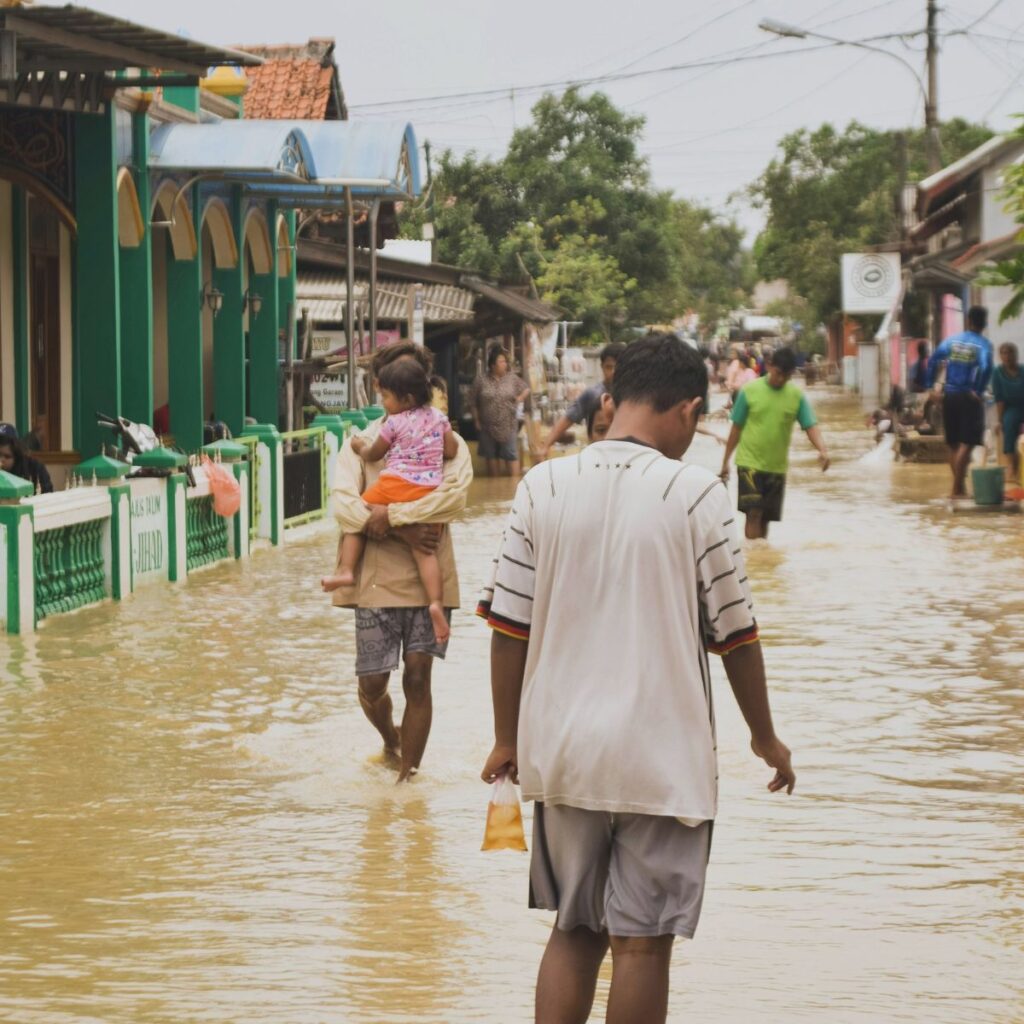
(968,359)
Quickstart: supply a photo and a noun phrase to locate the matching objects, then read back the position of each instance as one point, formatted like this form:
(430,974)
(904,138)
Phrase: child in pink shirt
(414,440)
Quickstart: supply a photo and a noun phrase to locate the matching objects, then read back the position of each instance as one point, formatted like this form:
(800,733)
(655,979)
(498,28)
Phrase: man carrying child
(393,621)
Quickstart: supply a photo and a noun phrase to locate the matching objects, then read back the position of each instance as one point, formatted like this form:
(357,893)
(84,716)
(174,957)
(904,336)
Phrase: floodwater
(195,824)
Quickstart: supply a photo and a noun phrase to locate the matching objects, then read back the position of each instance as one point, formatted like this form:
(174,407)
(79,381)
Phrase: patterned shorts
(382,634)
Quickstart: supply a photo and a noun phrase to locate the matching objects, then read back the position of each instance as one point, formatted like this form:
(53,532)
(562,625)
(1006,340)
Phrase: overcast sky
(710,130)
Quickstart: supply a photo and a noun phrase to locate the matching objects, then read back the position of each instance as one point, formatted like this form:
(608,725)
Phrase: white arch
(217,218)
(170,208)
(131,227)
(257,238)
(284,248)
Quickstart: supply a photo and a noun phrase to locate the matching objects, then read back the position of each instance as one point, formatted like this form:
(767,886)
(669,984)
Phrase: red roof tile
(295,82)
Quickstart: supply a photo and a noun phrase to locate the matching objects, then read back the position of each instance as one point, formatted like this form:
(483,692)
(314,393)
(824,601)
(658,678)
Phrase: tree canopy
(828,192)
(571,209)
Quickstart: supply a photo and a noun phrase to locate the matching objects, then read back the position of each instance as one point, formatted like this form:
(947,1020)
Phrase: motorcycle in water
(134,439)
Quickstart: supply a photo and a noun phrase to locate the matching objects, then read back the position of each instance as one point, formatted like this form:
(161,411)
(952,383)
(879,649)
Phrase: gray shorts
(382,634)
(491,448)
(627,874)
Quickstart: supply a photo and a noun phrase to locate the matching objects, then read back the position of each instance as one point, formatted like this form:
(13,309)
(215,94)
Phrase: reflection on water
(195,823)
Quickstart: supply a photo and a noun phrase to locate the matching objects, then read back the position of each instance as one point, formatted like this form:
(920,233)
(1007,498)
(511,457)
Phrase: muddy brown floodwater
(195,825)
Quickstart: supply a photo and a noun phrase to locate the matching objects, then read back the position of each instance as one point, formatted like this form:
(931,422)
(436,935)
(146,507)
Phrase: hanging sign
(149,530)
(871,281)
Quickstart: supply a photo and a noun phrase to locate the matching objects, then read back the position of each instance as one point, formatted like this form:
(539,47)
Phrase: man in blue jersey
(968,359)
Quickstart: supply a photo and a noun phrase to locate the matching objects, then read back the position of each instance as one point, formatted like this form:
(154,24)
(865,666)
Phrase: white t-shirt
(621,569)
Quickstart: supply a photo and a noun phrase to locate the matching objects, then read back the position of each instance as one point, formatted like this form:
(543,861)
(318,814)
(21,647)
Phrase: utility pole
(931,108)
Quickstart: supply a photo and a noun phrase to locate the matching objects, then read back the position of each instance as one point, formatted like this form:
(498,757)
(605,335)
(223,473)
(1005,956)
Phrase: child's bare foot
(407,775)
(344,578)
(441,628)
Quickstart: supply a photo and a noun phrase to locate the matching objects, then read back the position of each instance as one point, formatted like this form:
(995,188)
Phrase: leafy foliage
(829,192)
(571,208)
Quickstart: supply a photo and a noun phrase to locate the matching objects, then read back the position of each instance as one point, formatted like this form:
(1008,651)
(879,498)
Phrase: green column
(228,334)
(185,349)
(97,278)
(19,237)
(286,286)
(263,340)
(137,294)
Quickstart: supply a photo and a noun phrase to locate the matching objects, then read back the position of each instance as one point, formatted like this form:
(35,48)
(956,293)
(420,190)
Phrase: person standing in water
(1008,391)
(968,360)
(762,427)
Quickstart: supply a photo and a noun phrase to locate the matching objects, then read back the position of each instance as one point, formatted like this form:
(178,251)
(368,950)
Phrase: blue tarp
(299,163)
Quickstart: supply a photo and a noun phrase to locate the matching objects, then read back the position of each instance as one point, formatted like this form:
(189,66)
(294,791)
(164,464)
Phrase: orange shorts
(392,490)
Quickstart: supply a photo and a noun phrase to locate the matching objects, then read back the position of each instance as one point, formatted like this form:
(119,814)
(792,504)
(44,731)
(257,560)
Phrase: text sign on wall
(871,281)
(149,530)
(330,390)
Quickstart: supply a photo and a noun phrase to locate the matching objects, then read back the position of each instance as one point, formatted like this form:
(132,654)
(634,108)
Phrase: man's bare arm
(730,446)
(508,666)
(814,436)
(745,669)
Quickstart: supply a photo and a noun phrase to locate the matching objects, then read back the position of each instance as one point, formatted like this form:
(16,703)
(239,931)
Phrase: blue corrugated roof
(302,163)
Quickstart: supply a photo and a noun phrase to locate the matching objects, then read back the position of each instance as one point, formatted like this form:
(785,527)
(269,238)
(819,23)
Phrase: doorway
(44,324)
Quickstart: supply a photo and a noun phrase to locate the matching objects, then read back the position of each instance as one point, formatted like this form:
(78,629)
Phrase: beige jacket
(387,576)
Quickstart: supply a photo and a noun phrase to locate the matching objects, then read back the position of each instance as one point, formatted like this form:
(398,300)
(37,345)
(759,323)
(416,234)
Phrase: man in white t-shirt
(618,571)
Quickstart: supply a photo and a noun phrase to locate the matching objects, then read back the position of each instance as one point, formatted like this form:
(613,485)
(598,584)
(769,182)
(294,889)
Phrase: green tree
(828,192)
(573,196)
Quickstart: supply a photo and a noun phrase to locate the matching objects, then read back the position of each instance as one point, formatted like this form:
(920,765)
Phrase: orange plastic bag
(504,829)
(227,495)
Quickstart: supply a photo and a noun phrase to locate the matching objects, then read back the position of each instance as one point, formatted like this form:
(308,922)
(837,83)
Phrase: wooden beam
(122,56)
(8,55)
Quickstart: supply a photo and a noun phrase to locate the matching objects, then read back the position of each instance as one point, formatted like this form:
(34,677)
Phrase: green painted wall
(19,236)
(137,294)
(228,334)
(97,279)
(185,350)
(263,339)
(184,96)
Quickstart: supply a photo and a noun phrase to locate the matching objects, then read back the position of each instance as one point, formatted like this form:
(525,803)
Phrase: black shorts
(761,492)
(963,418)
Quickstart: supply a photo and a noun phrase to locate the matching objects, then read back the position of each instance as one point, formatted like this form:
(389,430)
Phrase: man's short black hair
(784,359)
(613,350)
(406,378)
(402,350)
(977,317)
(661,371)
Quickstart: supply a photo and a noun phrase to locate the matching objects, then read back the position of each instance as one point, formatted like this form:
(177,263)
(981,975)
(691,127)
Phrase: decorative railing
(206,533)
(253,445)
(305,476)
(70,557)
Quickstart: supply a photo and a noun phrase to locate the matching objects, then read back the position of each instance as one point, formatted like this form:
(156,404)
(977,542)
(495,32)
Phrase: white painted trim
(257,238)
(181,540)
(3,576)
(217,217)
(27,574)
(7,383)
(66,508)
(67,375)
(124,517)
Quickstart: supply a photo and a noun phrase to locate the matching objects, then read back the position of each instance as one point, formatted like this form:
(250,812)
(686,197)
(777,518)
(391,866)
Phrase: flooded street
(195,824)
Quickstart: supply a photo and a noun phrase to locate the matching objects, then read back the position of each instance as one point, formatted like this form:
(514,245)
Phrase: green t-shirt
(766,415)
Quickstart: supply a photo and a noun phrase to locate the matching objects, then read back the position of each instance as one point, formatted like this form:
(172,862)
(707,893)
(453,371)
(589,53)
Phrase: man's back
(767,415)
(619,564)
(968,359)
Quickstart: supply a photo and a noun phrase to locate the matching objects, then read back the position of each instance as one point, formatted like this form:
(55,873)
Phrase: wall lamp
(213,298)
(253,302)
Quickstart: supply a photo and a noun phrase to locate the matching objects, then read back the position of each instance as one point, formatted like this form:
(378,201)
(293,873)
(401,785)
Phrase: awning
(532,310)
(322,295)
(75,39)
(935,190)
(306,164)
(243,151)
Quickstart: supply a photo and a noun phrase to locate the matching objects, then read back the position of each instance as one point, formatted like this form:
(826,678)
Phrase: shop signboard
(330,390)
(149,530)
(871,281)
(416,313)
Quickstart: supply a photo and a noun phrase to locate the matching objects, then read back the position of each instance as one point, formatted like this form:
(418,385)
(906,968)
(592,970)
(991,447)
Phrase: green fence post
(121,580)
(17,556)
(177,539)
(271,482)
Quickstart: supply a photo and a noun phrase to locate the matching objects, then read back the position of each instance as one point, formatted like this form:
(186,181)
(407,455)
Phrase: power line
(412,101)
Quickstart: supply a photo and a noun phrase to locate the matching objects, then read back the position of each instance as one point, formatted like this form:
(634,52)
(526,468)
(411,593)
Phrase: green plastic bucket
(988,485)
(373,412)
(355,417)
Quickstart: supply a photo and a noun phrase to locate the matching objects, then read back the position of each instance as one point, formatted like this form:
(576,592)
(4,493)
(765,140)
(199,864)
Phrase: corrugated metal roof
(934,190)
(69,38)
(522,305)
(322,293)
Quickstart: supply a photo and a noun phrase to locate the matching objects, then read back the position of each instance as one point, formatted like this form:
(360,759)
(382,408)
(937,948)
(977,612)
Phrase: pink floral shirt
(416,437)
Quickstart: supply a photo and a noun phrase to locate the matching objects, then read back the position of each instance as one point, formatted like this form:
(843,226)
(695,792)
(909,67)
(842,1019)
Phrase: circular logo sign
(873,277)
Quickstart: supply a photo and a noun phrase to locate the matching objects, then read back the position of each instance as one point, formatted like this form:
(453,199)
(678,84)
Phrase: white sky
(709,131)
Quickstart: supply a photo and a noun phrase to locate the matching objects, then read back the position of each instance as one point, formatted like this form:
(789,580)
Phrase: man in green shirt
(762,425)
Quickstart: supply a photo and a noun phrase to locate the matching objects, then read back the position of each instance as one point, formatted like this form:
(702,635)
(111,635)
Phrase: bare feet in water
(441,628)
(407,775)
(343,578)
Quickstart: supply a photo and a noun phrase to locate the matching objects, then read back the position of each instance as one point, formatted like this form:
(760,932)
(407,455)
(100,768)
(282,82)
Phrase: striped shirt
(621,570)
